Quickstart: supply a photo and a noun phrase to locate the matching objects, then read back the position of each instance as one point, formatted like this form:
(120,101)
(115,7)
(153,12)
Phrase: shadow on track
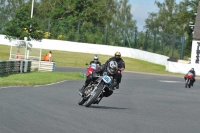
(119,93)
(104,107)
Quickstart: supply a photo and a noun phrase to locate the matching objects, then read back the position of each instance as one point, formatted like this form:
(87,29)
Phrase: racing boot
(117,86)
(192,83)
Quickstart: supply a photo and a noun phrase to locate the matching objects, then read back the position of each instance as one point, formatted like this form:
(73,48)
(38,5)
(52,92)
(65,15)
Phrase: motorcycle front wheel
(94,96)
(186,83)
(82,101)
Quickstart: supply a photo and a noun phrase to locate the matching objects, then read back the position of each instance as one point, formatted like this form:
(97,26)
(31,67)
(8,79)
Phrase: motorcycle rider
(194,75)
(121,66)
(88,78)
(111,69)
(96,61)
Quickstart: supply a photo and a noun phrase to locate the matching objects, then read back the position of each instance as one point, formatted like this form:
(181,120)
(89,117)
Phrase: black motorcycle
(93,93)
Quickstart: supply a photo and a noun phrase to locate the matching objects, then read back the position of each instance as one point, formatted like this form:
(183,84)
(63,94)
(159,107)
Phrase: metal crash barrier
(43,66)
(14,67)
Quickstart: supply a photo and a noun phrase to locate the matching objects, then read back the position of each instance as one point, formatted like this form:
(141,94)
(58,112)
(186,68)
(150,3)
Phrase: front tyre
(189,83)
(186,83)
(94,96)
(82,101)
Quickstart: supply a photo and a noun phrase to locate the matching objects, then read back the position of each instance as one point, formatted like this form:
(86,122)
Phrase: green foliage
(173,18)
(101,22)
(87,20)
(22,25)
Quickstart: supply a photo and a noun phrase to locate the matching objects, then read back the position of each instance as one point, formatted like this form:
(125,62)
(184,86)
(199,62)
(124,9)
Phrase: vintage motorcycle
(94,91)
(188,79)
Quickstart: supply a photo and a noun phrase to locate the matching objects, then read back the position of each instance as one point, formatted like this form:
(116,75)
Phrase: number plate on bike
(106,79)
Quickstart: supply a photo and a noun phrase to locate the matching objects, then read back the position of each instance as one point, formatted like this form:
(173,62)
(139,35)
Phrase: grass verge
(37,78)
(73,59)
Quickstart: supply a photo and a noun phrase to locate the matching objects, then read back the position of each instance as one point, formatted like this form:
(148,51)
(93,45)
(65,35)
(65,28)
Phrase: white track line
(167,81)
(51,83)
(10,87)
(35,85)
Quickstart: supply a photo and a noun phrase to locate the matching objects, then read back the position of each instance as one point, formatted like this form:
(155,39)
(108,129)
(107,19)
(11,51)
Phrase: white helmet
(112,67)
(96,58)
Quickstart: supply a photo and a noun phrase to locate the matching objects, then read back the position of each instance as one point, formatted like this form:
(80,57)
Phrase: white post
(40,56)
(10,51)
(26,52)
(32,8)
(30,27)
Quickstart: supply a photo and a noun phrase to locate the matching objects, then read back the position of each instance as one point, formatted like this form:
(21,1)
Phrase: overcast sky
(140,9)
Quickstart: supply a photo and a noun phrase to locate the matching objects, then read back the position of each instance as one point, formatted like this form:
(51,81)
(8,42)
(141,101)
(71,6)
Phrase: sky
(140,9)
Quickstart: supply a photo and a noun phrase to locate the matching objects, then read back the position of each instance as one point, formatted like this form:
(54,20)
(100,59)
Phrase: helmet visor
(112,70)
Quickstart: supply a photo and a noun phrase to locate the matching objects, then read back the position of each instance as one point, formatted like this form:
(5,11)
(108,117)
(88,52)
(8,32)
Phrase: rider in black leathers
(194,75)
(111,69)
(121,66)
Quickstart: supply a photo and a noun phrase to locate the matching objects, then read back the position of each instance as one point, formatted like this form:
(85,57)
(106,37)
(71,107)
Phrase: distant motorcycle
(189,79)
(91,68)
(94,91)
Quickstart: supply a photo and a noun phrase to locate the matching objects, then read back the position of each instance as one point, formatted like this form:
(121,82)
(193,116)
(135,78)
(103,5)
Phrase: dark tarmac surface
(143,104)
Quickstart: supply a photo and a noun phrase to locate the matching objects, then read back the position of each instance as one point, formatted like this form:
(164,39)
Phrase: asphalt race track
(143,104)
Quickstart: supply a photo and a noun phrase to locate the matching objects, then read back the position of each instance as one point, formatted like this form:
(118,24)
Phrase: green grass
(64,58)
(37,78)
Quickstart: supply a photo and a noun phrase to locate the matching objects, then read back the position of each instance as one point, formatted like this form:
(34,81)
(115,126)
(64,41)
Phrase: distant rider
(111,69)
(194,75)
(121,66)
(88,78)
(96,61)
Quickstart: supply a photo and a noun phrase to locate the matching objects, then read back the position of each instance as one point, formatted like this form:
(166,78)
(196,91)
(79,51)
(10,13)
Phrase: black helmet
(112,67)
(192,69)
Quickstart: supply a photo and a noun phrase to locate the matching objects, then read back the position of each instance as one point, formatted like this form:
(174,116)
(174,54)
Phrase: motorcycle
(91,68)
(94,91)
(188,79)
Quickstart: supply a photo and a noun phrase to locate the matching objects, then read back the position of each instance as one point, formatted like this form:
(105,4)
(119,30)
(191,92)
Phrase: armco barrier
(43,66)
(14,66)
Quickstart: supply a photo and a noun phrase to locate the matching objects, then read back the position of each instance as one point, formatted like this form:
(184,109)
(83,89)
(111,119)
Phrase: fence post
(154,41)
(54,66)
(105,37)
(25,65)
(182,47)
(163,42)
(135,41)
(146,40)
(21,66)
(173,44)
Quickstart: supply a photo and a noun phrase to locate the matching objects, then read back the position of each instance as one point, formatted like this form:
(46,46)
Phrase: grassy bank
(64,58)
(37,78)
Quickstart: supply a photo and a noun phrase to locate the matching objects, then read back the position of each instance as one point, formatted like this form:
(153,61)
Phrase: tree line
(95,21)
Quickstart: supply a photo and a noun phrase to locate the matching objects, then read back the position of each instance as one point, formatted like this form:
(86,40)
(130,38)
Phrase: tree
(121,25)
(22,25)
(7,10)
(88,21)
(186,15)
(173,19)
